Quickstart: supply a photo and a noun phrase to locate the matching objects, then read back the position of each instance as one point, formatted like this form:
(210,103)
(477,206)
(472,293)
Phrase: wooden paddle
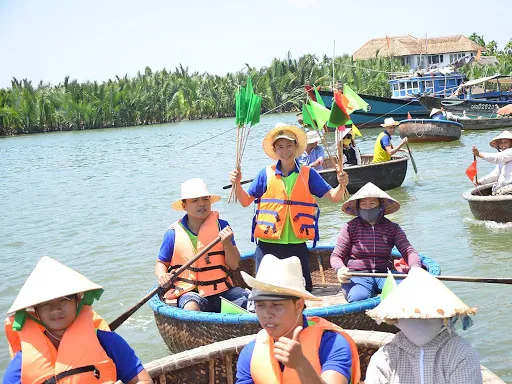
(412,159)
(121,319)
(492,280)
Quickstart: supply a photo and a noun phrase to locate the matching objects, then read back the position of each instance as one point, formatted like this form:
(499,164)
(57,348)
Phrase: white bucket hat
(434,111)
(313,137)
(420,296)
(48,281)
(503,135)
(277,279)
(192,189)
(284,131)
(370,190)
(389,122)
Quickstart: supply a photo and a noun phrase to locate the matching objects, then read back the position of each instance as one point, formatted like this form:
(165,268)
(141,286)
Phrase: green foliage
(154,97)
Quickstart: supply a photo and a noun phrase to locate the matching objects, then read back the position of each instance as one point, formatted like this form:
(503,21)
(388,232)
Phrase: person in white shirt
(501,176)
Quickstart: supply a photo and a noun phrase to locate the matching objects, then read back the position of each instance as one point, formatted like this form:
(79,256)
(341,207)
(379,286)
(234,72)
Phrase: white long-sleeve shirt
(502,174)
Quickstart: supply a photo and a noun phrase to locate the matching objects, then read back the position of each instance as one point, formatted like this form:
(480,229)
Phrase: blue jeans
(361,288)
(283,251)
(236,295)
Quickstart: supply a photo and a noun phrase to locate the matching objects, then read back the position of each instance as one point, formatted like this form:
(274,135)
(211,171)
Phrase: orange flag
(478,55)
(409,117)
(471,172)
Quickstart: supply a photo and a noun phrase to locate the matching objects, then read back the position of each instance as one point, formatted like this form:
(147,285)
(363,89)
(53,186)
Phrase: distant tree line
(168,96)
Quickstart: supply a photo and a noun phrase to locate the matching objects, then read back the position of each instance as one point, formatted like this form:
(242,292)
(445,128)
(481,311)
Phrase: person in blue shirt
(54,333)
(291,347)
(383,148)
(200,287)
(275,229)
(314,155)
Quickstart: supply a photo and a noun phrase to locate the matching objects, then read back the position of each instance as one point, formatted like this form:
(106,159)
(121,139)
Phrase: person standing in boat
(383,149)
(200,287)
(501,176)
(292,348)
(287,213)
(351,154)
(427,350)
(55,336)
(314,155)
(365,243)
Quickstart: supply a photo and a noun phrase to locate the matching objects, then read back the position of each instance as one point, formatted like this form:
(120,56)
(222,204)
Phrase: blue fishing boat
(472,99)
(405,89)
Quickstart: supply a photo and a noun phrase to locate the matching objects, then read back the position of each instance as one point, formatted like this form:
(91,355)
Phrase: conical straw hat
(503,135)
(284,131)
(370,190)
(420,296)
(50,280)
(192,189)
(280,277)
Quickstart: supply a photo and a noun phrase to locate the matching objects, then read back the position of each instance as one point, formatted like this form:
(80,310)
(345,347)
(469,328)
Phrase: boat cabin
(433,83)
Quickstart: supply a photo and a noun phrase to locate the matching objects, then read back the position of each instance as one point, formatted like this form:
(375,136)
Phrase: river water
(99,201)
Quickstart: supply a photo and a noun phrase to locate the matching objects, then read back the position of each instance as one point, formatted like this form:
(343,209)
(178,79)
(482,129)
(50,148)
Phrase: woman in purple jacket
(365,243)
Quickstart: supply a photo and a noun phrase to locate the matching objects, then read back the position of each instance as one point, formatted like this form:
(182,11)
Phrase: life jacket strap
(204,269)
(71,372)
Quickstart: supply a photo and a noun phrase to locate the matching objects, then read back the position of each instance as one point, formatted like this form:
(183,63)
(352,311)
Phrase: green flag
(319,98)
(307,115)
(355,101)
(227,306)
(388,286)
(248,105)
(320,114)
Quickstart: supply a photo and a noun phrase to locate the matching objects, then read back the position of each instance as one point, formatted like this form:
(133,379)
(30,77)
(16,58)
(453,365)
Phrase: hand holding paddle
(121,319)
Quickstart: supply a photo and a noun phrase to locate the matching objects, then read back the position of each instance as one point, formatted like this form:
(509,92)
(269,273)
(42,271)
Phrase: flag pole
(476,173)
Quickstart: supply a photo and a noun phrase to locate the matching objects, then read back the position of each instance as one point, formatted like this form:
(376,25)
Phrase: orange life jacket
(274,208)
(265,368)
(13,337)
(210,273)
(80,358)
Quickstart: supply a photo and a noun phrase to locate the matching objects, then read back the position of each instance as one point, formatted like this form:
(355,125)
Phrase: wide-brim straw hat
(192,189)
(276,277)
(48,281)
(389,122)
(503,135)
(370,190)
(434,111)
(420,296)
(284,131)
(313,137)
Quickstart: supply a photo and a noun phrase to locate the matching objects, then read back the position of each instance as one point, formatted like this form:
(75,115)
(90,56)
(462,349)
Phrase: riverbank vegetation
(154,97)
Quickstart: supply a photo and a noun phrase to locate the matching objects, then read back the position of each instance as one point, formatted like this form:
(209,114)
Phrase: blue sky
(96,40)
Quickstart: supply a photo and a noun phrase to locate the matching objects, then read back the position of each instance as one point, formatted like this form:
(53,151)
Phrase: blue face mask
(370,215)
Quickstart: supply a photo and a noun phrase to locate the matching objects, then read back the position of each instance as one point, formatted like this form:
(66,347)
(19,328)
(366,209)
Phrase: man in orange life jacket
(287,213)
(291,348)
(200,287)
(55,336)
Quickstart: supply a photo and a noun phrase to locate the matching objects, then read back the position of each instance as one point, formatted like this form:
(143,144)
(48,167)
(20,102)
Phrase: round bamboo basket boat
(182,330)
(484,206)
(216,363)
(427,130)
(386,175)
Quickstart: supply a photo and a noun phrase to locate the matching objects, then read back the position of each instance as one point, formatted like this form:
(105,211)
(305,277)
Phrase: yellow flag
(356,130)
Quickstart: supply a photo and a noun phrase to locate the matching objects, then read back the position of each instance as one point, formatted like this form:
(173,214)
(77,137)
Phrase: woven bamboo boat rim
(470,195)
(158,306)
